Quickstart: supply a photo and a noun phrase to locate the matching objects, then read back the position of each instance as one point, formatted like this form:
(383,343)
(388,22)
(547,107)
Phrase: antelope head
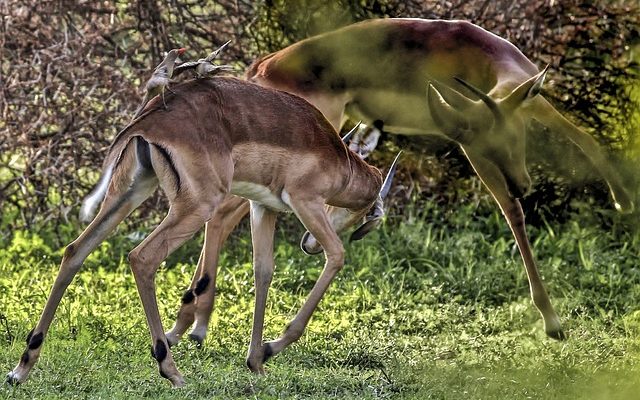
(492,128)
(343,218)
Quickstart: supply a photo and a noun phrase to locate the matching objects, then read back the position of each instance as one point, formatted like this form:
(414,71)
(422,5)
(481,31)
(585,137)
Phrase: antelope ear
(371,221)
(527,90)
(449,120)
(370,224)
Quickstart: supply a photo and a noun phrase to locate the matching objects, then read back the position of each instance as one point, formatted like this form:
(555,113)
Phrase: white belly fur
(261,194)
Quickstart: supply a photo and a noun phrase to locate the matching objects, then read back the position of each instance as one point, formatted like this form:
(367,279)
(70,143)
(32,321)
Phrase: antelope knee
(69,252)
(294,331)
(204,211)
(202,284)
(335,260)
(263,272)
(140,264)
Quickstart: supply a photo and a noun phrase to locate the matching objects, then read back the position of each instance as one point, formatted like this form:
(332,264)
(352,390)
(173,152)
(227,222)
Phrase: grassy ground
(434,306)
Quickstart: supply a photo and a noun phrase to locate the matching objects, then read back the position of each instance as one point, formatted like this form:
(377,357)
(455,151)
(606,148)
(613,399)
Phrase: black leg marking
(202,284)
(188,297)
(268,352)
(30,334)
(69,252)
(25,358)
(199,341)
(160,351)
(36,341)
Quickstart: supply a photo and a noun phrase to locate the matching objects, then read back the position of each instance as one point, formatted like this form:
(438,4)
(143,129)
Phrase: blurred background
(71,76)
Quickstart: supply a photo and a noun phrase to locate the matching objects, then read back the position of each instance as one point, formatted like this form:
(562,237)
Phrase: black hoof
(199,341)
(557,335)
(11,381)
(268,353)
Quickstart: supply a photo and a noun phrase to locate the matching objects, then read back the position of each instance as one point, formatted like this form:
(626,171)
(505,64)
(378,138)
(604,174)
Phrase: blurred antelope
(378,70)
(224,136)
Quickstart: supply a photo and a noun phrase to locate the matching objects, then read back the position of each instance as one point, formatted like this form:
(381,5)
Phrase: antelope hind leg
(198,301)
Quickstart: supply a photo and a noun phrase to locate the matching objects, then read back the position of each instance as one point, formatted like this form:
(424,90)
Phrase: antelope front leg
(180,224)
(198,300)
(559,125)
(314,218)
(511,209)
(263,223)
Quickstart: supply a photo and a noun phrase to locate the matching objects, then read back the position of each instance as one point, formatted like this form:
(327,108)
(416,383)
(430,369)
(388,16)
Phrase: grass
(433,306)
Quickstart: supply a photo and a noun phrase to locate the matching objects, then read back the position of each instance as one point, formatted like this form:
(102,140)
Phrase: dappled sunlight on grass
(434,307)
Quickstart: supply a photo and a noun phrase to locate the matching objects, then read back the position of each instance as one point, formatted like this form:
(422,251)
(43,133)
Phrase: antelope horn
(373,219)
(451,96)
(447,118)
(346,138)
(493,106)
(386,185)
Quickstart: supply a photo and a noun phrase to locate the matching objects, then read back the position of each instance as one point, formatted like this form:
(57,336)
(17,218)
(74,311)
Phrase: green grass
(433,306)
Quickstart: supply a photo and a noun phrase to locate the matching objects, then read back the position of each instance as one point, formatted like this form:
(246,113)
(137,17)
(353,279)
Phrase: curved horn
(493,106)
(374,217)
(456,99)
(346,138)
(451,121)
(386,185)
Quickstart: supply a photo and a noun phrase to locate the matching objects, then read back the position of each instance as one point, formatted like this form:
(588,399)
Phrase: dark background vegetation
(434,307)
(71,75)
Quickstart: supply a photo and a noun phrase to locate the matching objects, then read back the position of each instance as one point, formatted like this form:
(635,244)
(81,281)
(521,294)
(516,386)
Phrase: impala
(483,90)
(223,136)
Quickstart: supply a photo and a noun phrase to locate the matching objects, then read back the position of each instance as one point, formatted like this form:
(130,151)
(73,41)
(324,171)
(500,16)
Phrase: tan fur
(379,69)
(217,132)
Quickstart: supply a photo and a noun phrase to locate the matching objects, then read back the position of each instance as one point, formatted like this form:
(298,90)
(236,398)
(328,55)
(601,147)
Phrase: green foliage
(432,306)
(73,75)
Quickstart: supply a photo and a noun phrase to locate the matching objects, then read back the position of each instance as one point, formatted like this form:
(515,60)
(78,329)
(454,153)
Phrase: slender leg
(545,113)
(312,215)
(217,232)
(183,220)
(263,223)
(188,305)
(116,206)
(511,209)
(197,301)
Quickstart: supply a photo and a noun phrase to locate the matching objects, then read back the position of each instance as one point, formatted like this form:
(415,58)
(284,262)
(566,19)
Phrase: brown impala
(224,136)
(482,92)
